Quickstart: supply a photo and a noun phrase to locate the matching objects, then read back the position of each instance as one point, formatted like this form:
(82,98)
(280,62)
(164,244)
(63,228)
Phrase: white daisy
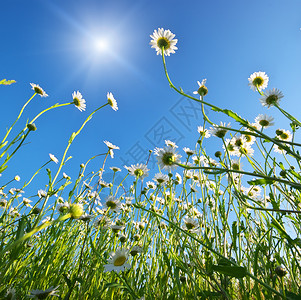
(43,294)
(42,193)
(112,101)
(38,90)
(135,250)
(191,224)
(219,132)
(167,157)
(170,143)
(3,203)
(246,149)
(160,178)
(118,262)
(188,151)
(111,148)
(78,101)
(27,202)
(278,149)
(115,169)
(284,135)
(202,90)
(253,191)
(230,148)
(250,139)
(264,121)
(150,185)
(112,203)
(258,80)
(178,178)
(271,97)
(163,39)
(53,158)
(138,170)
(203,132)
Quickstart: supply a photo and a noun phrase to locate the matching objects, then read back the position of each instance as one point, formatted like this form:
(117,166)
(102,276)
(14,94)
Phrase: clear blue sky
(51,43)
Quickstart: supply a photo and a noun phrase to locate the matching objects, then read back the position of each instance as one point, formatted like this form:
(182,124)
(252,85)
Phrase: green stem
(21,111)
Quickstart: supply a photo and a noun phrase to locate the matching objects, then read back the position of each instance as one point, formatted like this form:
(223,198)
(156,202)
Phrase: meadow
(222,227)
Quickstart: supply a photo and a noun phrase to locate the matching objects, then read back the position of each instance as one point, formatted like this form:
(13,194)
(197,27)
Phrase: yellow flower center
(264,123)
(168,159)
(258,81)
(271,100)
(138,172)
(284,136)
(119,261)
(163,42)
(38,90)
(203,91)
(76,101)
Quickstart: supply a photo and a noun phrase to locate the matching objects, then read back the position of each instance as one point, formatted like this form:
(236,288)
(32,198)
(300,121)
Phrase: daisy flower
(236,165)
(250,139)
(112,102)
(284,135)
(264,121)
(115,169)
(253,192)
(191,224)
(219,132)
(42,193)
(43,294)
(202,90)
(118,262)
(163,40)
(135,250)
(258,80)
(27,202)
(112,203)
(171,144)
(167,157)
(150,185)
(53,158)
(111,148)
(78,101)
(246,149)
(138,170)
(160,178)
(38,90)
(103,222)
(278,149)
(178,178)
(203,132)
(188,151)
(271,98)
(3,203)
(230,147)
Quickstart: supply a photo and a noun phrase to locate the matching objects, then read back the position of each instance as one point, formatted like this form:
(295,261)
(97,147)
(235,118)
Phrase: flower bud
(76,210)
(280,271)
(31,127)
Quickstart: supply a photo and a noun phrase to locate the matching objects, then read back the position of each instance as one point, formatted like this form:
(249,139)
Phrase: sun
(101,45)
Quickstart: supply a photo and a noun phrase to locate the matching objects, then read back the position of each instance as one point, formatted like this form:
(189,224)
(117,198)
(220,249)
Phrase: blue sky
(51,43)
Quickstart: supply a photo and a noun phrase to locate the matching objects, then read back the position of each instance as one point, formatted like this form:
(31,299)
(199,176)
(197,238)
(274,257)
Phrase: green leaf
(7,82)
(292,296)
(2,168)
(4,144)
(214,172)
(233,271)
(261,181)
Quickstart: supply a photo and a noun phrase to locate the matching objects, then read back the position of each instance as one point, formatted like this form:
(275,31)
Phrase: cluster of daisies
(78,99)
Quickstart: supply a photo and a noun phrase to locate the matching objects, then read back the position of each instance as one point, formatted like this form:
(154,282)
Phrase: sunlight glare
(101,45)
